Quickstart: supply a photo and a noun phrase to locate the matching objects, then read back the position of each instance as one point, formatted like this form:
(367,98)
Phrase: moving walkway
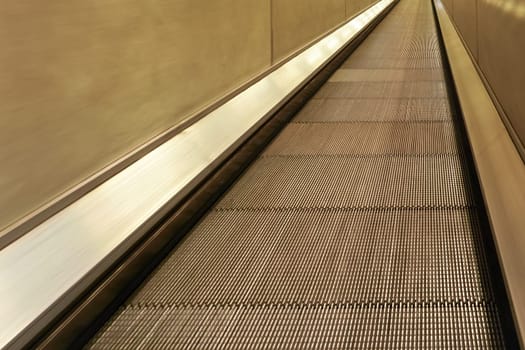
(360,225)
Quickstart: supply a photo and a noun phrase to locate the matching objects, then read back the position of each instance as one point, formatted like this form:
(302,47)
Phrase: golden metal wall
(494,31)
(83,83)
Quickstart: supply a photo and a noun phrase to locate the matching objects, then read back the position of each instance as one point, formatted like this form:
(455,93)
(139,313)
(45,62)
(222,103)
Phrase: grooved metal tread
(351,182)
(356,228)
(367,62)
(339,326)
(393,89)
(433,138)
(377,75)
(325,256)
(417,48)
(374,110)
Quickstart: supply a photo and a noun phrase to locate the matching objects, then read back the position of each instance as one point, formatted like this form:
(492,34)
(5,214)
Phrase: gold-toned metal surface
(84,86)
(84,83)
(296,22)
(492,30)
(500,168)
(359,233)
(501,54)
(465,14)
(46,269)
(353,7)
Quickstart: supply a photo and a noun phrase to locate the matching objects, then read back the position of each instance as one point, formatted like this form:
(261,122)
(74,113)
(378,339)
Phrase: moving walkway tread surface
(358,227)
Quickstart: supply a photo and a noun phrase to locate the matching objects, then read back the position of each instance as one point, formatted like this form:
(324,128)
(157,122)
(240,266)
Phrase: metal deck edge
(499,167)
(27,222)
(48,268)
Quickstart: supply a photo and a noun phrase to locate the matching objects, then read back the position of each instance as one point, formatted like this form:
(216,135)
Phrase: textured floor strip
(365,139)
(326,256)
(355,182)
(305,327)
(356,228)
(405,89)
(387,109)
(353,75)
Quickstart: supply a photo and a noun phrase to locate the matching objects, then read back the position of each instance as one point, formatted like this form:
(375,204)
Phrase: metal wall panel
(493,31)
(296,22)
(84,82)
(465,16)
(501,55)
(449,5)
(355,6)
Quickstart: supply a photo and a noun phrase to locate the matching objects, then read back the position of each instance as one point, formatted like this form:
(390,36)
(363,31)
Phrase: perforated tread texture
(356,228)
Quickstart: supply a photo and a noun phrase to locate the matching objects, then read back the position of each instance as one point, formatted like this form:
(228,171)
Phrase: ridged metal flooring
(356,228)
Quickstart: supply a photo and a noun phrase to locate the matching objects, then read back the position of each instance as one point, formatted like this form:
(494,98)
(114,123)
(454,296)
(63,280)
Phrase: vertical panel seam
(272,57)
(477,30)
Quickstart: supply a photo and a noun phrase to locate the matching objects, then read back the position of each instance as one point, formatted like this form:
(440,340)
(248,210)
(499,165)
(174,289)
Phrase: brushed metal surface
(296,22)
(48,267)
(492,30)
(501,26)
(465,14)
(82,84)
(352,7)
(500,168)
(106,79)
